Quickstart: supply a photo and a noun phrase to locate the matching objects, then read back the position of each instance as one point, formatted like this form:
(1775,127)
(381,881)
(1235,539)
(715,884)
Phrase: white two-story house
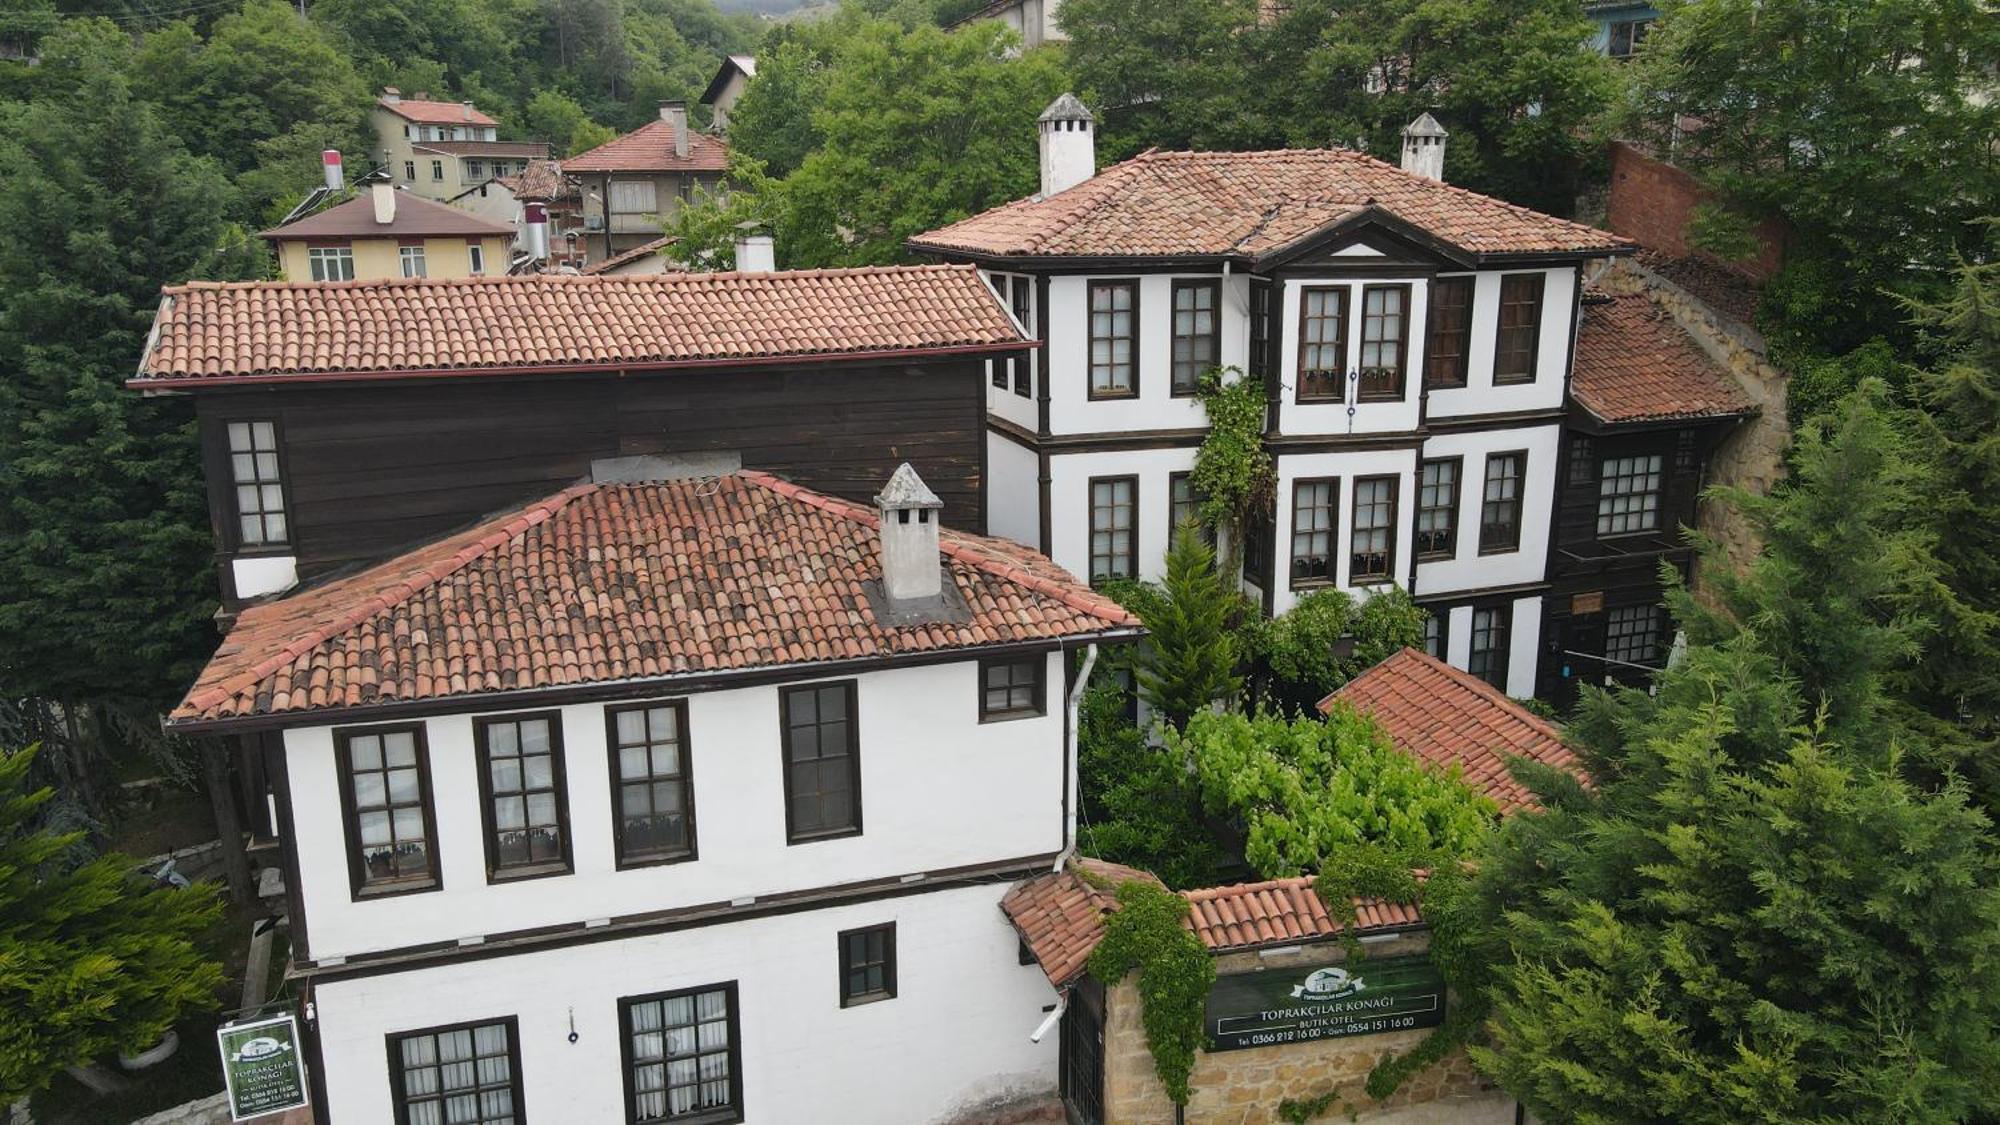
(1414,340)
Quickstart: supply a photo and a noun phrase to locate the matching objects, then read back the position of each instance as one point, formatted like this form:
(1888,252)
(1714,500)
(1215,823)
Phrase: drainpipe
(1049,1022)
(1072,786)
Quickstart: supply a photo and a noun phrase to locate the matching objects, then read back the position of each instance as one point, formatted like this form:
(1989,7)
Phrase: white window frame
(412,260)
(324,261)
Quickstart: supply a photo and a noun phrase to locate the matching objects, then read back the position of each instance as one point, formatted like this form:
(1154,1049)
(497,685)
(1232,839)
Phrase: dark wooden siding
(373,468)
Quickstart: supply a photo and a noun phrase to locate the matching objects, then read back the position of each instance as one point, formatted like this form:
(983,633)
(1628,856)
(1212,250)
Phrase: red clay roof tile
(650,148)
(1247,204)
(1060,915)
(1635,364)
(602,583)
(435,113)
(414,215)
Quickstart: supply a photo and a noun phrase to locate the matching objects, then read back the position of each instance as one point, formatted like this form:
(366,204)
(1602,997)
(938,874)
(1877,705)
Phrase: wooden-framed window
(1520,328)
(1437,507)
(1371,535)
(683,1056)
(437,170)
(1500,503)
(1315,517)
(1021,299)
(635,197)
(385,799)
(868,964)
(1385,341)
(822,761)
(1184,507)
(1260,329)
(1197,332)
(1624,37)
(1449,328)
(1628,494)
(466,1073)
(522,794)
(410,171)
(1012,689)
(1582,466)
(1114,339)
(1487,658)
(1260,544)
(330,263)
(1322,343)
(475,255)
(1632,635)
(1436,643)
(652,783)
(1114,527)
(259,487)
(412,260)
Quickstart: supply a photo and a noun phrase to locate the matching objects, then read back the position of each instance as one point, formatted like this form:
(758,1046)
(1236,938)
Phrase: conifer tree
(1191,653)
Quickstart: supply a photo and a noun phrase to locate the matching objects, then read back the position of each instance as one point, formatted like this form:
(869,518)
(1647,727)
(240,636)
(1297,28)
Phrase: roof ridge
(481,540)
(1466,680)
(688,277)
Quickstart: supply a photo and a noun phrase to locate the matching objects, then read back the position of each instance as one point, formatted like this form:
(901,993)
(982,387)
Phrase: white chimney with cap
(1423,148)
(1068,138)
(330,162)
(384,194)
(675,113)
(755,251)
(391,95)
(910,511)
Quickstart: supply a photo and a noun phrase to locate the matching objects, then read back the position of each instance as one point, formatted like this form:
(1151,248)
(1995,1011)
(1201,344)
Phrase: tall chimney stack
(911,572)
(330,163)
(755,252)
(675,113)
(384,194)
(1423,148)
(1067,133)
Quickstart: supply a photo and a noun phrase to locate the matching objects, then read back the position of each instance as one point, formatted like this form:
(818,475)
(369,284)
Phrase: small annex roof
(1634,363)
(414,216)
(650,148)
(1447,717)
(541,181)
(1060,915)
(1247,206)
(215,333)
(624,584)
(627,257)
(745,65)
(435,113)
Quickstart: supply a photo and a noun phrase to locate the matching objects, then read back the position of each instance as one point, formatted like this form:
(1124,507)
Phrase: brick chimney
(1067,133)
(675,113)
(1423,148)
(911,573)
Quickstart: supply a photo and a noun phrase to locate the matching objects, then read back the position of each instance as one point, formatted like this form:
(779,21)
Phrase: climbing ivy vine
(1175,972)
(1232,469)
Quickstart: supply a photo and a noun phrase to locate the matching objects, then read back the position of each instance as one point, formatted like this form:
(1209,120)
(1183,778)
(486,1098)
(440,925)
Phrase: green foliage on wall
(1175,972)
(1302,647)
(1233,472)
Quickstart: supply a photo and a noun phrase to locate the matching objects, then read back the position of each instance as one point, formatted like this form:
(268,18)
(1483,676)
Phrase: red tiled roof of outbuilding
(435,113)
(604,583)
(1061,915)
(1282,910)
(1635,364)
(650,148)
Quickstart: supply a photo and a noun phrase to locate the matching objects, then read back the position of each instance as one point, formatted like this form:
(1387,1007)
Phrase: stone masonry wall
(1245,1087)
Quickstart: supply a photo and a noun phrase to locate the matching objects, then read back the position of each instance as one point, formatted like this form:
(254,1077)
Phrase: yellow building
(386,233)
(439,149)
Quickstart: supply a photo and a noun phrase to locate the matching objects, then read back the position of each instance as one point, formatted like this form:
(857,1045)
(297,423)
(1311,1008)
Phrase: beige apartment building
(388,233)
(439,149)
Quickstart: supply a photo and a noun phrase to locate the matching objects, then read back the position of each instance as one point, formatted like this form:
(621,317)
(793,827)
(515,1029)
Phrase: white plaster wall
(499,205)
(1002,402)
(939,790)
(1526,649)
(956,1033)
(1070,408)
(1400,463)
(1069,503)
(1332,417)
(1552,354)
(1470,570)
(1013,491)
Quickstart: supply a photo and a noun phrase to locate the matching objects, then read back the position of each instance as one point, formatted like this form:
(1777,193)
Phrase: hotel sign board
(1276,1006)
(261,1066)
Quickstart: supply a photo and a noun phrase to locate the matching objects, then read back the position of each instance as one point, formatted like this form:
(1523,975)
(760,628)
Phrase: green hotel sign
(1276,1006)
(261,1066)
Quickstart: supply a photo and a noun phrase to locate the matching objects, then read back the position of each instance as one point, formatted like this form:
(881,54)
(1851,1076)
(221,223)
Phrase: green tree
(1140,804)
(773,121)
(91,959)
(1169,75)
(1325,640)
(557,118)
(1191,652)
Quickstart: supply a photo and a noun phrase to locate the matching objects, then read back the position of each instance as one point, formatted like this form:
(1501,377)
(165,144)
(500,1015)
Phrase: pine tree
(91,958)
(1191,653)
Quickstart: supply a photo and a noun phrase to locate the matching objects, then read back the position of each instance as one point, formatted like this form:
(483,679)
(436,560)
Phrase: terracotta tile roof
(1061,914)
(435,113)
(541,180)
(1249,204)
(486,148)
(1635,364)
(1282,910)
(650,148)
(603,583)
(1448,717)
(414,215)
(275,331)
(644,249)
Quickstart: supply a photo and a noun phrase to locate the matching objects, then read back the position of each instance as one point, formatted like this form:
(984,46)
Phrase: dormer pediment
(1372,236)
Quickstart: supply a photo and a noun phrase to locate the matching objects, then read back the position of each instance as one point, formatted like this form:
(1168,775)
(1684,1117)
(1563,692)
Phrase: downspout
(1072,782)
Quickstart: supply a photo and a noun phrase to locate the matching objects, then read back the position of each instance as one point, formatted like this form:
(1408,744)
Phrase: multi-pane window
(1114,527)
(1628,495)
(1520,328)
(1010,689)
(330,263)
(1371,538)
(468,1075)
(1114,339)
(1434,639)
(1500,504)
(1322,343)
(822,762)
(1450,330)
(1437,508)
(868,965)
(1488,655)
(476,258)
(682,1060)
(409,170)
(475,171)
(1197,332)
(260,491)
(1632,635)
(1260,329)
(385,791)
(1184,507)
(1384,334)
(437,169)
(1023,366)
(521,775)
(650,776)
(1625,37)
(412,258)
(1313,518)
